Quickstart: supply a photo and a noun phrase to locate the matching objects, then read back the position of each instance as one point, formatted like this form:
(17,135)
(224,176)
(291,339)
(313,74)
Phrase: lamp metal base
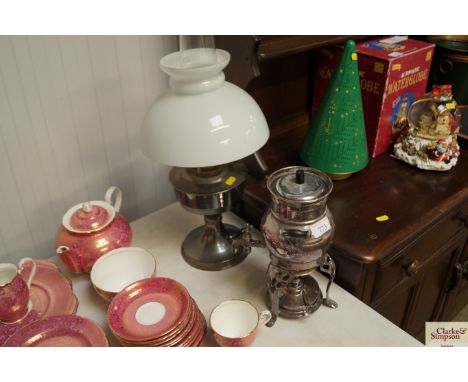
(210,248)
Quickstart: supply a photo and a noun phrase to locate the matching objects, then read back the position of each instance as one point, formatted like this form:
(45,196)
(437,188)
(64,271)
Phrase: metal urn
(298,229)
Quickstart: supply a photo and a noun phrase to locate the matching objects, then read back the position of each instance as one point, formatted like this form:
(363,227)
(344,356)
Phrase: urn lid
(300,184)
(88,217)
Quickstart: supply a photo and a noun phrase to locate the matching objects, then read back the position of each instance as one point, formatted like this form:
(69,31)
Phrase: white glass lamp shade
(201,120)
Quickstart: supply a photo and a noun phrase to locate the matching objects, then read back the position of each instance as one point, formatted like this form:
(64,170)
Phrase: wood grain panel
(134,104)
(85,112)
(70,112)
(152,51)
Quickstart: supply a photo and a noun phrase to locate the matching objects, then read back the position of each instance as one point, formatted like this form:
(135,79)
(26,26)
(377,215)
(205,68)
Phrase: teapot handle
(118,197)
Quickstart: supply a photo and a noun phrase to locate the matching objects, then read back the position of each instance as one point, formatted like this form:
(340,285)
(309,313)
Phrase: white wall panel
(70,112)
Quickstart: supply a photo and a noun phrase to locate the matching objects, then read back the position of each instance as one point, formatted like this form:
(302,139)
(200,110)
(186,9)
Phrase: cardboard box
(393,73)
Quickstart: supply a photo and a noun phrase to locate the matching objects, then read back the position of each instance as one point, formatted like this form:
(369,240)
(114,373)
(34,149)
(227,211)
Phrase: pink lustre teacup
(14,291)
(119,268)
(236,323)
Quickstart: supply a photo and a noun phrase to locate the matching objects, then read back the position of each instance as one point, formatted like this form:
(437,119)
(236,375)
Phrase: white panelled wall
(70,112)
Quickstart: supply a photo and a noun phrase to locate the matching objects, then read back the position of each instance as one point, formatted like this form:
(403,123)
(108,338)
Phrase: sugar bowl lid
(301,184)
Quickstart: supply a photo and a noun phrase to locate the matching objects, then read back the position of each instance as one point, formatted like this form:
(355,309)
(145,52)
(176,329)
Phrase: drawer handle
(459,273)
(412,268)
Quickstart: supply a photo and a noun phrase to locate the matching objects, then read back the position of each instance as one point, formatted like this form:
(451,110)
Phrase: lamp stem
(213,227)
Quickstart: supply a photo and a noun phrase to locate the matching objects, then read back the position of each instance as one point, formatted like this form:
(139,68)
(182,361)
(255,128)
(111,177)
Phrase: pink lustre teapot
(90,230)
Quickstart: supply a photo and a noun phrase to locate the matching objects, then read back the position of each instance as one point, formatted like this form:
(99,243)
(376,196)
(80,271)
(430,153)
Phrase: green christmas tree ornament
(336,140)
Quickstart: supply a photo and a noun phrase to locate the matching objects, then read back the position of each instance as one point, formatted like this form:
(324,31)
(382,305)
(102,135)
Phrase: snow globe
(429,142)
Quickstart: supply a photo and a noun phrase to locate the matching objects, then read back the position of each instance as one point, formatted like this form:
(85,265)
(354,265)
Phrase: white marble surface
(162,232)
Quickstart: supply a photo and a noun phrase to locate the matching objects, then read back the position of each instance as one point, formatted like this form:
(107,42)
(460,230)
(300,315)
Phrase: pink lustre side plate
(148,309)
(67,330)
(51,292)
(6,330)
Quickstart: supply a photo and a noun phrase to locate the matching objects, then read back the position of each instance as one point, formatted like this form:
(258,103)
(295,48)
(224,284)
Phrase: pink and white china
(156,312)
(119,268)
(65,330)
(236,323)
(90,230)
(173,336)
(51,292)
(195,337)
(148,308)
(188,334)
(6,330)
(14,291)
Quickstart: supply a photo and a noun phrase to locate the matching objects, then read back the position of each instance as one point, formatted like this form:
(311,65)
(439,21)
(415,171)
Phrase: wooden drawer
(419,298)
(410,260)
(457,291)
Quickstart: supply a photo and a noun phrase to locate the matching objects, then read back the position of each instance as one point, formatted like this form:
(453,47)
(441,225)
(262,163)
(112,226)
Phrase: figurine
(430,140)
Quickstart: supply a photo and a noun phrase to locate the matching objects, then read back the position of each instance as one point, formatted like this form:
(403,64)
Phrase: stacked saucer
(156,311)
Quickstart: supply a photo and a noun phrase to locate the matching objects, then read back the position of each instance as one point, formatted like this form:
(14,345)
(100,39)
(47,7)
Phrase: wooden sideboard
(411,268)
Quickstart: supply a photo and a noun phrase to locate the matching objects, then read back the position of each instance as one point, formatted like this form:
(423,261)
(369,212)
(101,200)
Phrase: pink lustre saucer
(6,330)
(148,309)
(67,330)
(51,292)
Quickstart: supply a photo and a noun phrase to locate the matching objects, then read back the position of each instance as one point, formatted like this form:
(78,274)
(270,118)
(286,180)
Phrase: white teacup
(236,323)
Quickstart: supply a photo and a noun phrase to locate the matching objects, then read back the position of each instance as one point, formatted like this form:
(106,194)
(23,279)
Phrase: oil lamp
(203,126)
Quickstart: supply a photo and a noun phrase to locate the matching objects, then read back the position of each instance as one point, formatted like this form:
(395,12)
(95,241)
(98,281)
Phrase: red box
(393,73)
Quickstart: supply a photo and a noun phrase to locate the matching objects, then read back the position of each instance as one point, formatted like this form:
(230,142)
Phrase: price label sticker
(394,40)
(230,181)
(382,218)
(450,105)
(321,227)
(379,67)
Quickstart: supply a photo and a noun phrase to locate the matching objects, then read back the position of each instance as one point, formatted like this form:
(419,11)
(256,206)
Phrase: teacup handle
(118,197)
(265,317)
(33,269)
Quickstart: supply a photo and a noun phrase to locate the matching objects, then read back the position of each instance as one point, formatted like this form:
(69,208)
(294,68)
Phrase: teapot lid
(88,217)
(302,184)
